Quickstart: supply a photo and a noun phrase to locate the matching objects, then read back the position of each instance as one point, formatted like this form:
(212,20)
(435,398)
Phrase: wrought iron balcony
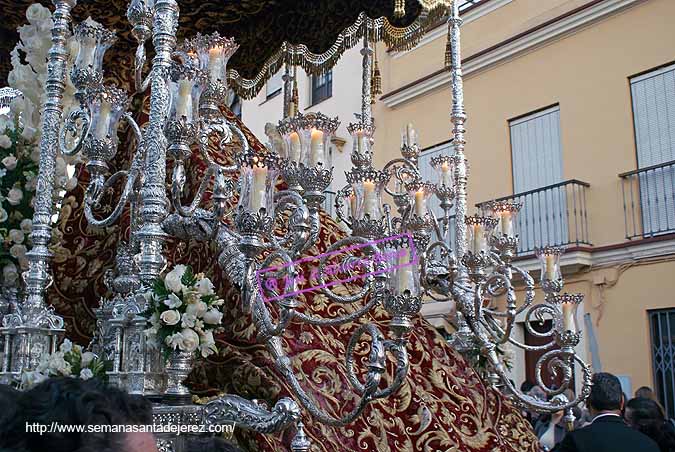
(649,200)
(553,215)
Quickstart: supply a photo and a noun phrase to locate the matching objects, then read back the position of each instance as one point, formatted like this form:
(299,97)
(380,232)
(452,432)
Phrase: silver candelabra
(188,85)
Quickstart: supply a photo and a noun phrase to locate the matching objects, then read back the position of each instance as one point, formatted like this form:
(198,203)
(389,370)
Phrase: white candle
(316,154)
(87,52)
(101,130)
(352,205)
(370,200)
(550,266)
(184,100)
(216,63)
(506,223)
(296,149)
(361,143)
(479,242)
(568,316)
(404,272)
(420,203)
(409,133)
(258,191)
(446,177)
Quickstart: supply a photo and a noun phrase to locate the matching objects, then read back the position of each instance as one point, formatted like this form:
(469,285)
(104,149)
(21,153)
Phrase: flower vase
(178,367)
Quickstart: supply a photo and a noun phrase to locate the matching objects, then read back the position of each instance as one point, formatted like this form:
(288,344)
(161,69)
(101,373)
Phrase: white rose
(196,309)
(87,358)
(172,281)
(66,346)
(174,340)
(3,215)
(10,274)
(170,317)
(35,155)
(5,142)
(204,287)
(37,13)
(18,251)
(213,317)
(14,196)
(208,344)
(86,374)
(26,225)
(190,340)
(188,321)
(173,301)
(9,162)
(16,235)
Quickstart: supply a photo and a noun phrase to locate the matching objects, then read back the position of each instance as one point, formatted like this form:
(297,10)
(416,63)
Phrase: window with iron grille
(662,326)
(322,87)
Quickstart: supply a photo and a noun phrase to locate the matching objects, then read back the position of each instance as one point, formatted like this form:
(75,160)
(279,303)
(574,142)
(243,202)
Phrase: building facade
(571,107)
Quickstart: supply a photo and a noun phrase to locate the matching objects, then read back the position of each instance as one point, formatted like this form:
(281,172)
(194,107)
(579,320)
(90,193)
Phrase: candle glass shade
(212,51)
(567,305)
(258,175)
(445,169)
(479,230)
(505,212)
(185,87)
(405,275)
(362,135)
(549,262)
(106,105)
(420,192)
(367,186)
(314,131)
(93,41)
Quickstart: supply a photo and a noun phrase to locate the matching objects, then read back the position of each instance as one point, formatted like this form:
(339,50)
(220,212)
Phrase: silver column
(37,278)
(462,338)
(154,202)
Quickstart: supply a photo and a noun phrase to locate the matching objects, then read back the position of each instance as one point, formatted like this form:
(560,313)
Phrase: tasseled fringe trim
(380,29)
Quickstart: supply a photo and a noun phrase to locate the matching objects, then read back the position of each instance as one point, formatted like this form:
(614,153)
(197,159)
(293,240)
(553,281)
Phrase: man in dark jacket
(607,432)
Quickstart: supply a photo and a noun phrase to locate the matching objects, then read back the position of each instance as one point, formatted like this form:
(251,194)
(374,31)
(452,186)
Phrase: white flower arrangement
(69,361)
(19,140)
(184,312)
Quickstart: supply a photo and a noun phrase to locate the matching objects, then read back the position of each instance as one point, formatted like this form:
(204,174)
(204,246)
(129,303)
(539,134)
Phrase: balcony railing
(649,200)
(554,215)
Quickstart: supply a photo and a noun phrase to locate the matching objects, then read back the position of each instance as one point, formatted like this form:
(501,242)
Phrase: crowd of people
(607,423)
(76,402)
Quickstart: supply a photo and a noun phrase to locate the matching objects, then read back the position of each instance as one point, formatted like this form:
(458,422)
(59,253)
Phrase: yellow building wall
(586,73)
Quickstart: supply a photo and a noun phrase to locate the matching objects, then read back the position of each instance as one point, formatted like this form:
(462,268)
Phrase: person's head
(526,386)
(538,393)
(645,392)
(72,401)
(606,394)
(646,416)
